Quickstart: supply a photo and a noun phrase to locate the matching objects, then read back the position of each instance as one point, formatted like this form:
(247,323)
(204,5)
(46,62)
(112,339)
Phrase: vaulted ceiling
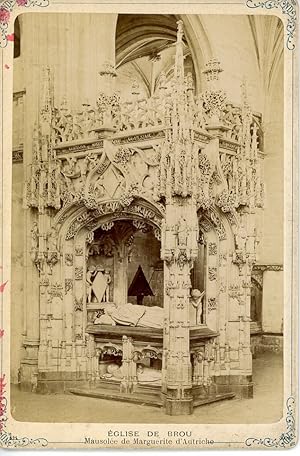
(145,48)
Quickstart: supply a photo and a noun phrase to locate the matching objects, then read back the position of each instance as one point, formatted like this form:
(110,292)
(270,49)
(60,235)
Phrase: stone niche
(121,248)
(145,252)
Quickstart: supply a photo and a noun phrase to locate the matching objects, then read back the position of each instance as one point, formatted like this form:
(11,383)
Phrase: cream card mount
(149,224)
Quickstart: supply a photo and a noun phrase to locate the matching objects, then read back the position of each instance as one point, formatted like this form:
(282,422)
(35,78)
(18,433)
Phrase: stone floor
(265,407)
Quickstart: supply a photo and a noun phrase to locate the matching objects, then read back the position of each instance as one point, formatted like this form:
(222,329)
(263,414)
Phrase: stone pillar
(68,297)
(178,251)
(178,400)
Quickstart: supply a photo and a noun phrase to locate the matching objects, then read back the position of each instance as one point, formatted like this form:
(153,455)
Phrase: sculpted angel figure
(196,309)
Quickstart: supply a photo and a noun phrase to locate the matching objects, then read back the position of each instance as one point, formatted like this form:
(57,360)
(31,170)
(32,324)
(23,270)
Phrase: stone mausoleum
(147,241)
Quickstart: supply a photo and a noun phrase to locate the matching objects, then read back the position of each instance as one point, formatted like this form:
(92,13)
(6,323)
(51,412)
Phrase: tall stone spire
(179,58)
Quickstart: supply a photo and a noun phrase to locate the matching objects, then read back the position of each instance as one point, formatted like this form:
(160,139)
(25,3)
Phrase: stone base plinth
(55,382)
(28,374)
(177,407)
(241,385)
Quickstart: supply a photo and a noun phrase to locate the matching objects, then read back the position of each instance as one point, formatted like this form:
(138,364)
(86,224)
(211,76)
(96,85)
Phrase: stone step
(114,385)
(215,398)
(136,397)
(142,396)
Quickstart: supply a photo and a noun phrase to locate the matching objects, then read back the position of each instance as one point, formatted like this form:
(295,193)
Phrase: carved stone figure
(90,275)
(34,237)
(196,309)
(107,278)
(52,240)
(148,375)
(181,232)
(114,372)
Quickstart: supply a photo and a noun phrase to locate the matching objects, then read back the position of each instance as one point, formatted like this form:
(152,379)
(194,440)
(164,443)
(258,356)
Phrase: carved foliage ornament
(68,285)
(212,248)
(78,304)
(79,273)
(211,304)
(69,259)
(56,291)
(78,251)
(213,102)
(212,273)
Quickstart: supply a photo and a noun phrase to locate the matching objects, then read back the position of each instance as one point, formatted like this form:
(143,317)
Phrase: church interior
(147,205)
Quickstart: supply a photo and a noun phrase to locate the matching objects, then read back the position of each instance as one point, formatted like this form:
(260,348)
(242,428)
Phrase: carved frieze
(65,150)
(268,267)
(140,137)
(76,224)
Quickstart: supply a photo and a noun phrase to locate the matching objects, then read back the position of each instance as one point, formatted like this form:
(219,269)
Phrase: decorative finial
(179,31)
(179,57)
(212,70)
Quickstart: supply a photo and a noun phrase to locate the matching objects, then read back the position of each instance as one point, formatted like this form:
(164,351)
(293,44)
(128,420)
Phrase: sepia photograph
(147,231)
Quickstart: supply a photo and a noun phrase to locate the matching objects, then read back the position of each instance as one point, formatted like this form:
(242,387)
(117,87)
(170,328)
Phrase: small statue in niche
(90,275)
(52,240)
(196,308)
(98,280)
(181,232)
(107,278)
(34,237)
